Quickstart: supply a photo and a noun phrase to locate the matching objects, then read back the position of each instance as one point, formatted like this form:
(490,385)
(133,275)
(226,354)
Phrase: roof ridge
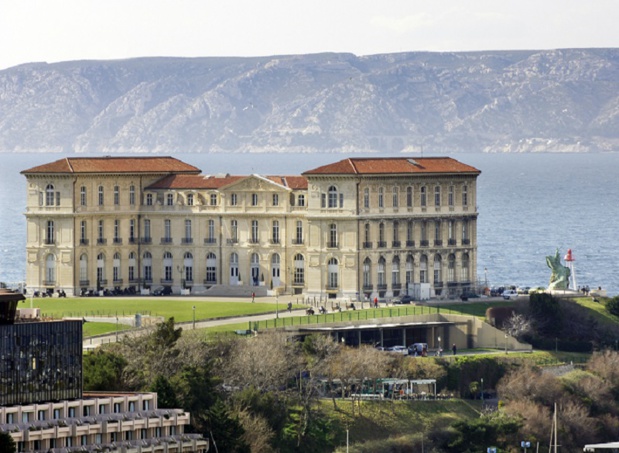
(69,164)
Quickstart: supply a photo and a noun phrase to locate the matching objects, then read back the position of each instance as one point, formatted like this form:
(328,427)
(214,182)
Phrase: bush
(612,306)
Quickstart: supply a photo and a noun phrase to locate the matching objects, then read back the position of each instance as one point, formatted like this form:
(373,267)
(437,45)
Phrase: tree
(166,395)
(612,306)
(7,444)
(103,370)
(225,430)
(495,428)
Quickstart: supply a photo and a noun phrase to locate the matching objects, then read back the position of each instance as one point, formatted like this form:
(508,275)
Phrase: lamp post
(194,317)
(482,393)
(181,271)
(116,327)
(439,346)
(277,306)
(505,343)
(486,277)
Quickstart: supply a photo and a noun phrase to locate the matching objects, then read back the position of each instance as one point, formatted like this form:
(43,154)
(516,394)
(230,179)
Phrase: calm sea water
(529,205)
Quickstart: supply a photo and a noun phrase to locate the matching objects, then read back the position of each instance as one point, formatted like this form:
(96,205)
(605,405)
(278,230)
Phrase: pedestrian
(454,349)
(253,297)
(375,302)
(289,307)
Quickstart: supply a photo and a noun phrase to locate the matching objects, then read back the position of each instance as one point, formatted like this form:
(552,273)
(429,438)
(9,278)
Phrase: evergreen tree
(7,444)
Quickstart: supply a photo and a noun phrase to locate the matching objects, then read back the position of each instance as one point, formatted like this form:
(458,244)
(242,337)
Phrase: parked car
(510,294)
(417,348)
(162,291)
(405,299)
(398,349)
(467,296)
(523,289)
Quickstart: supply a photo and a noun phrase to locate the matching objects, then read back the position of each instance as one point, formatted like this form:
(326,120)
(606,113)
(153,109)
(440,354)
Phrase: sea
(529,206)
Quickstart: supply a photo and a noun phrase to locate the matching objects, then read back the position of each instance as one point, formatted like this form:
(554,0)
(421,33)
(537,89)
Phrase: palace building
(360,227)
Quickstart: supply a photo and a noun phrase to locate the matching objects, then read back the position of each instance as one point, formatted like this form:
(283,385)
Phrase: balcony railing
(132,240)
(84,282)
(332,244)
(438,284)
(117,241)
(166,240)
(410,243)
(396,244)
(438,242)
(424,243)
(49,241)
(367,245)
(186,240)
(210,241)
(166,281)
(208,281)
(146,240)
(253,241)
(49,282)
(382,244)
(298,282)
(118,281)
(330,287)
(451,241)
(396,286)
(297,241)
(274,241)
(368,287)
(381,286)
(101,241)
(83,241)
(466,241)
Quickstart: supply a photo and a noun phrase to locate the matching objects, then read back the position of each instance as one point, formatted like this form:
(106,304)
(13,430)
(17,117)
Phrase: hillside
(495,101)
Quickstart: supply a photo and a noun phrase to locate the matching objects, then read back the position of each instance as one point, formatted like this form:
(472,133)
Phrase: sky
(63,30)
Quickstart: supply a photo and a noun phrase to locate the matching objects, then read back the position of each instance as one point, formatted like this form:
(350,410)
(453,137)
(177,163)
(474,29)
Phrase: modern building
(43,408)
(360,227)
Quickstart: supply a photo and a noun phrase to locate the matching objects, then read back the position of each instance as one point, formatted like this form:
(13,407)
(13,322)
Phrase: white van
(510,294)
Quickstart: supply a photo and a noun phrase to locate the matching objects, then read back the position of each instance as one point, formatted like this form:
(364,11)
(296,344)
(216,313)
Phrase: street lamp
(505,343)
(439,345)
(277,305)
(181,271)
(486,276)
(117,328)
(482,392)
(194,317)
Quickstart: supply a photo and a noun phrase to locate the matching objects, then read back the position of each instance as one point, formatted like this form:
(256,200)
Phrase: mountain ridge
(564,100)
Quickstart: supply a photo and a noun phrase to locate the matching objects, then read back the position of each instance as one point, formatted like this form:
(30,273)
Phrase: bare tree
(258,434)
(518,325)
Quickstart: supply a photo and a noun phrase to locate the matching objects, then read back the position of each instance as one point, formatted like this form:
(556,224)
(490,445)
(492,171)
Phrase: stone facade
(358,227)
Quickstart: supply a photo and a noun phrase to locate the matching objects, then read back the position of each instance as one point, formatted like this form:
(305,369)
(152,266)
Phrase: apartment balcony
(332,245)
(297,241)
(117,241)
(210,282)
(381,286)
(410,243)
(424,243)
(166,241)
(186,241)
(396,286)
(166,281)
(368,287)
(382,244)
(84,282)
(102,281)
(367,245)
(83,241)
(438,242)
(451,242)
(49,241)
(438,284)
(396,244)
(118,281)
(232,241)
(466,242)
(133,240)
(101,241)
(210,241)
(146,240)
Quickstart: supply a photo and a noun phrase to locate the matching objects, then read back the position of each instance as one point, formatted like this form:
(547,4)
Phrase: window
(40,415)
(131,230)
(100,231)
(366,198)
(188,267)
(451,268)
(170,199)
(234,230)
(100,200)
(167,266)
(233,200)
(147,266)
(149,199)
(254,199)
(410,241)
(409,269)
(147,230)
(132,195)
(211,268)
(83,196)
(100,269)
(116,267)
(188,237)
(381,273)
(116,195)
(437,231)
(409,197)
(395,197)
(367,237)
(395,272)
(396,234)
(301,200)
(465,195)
(381,198)
(299,269)
(167,230)
(424,232)
(254,231)
(275,238)
(190,199)
(332,235)
(367,273)
(423,269)
(213,199)
(450,233)
(437,196)
(83,268)
(465,232)
(49,195)
(437,269)
(101,408)
(131,268)
(275,199)
(332,273)
(49,239)
(332,197)
(299,232)
(381,235)
(424,196)
(210,234)
(465,267)
(450,196)
(117,231)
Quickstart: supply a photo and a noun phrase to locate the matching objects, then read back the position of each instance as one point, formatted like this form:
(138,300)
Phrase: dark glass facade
(40,362)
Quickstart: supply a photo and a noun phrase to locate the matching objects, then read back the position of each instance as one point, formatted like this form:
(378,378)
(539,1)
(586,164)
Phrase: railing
(438,242)
(166,240)
(332,244)
(232,241)
(118,281)
(84,282)
(424,243)
(132,240)
(451,241)
(410,243)
(49,241)
(438,284)
(186,240)
(146,240)
(209,241)
(396,286)
(210,282)
(83,241)
(396,244)
(367,245)
(274,241)
(253,241)
(165,281)
(49,282)
(330,287)
(466,241)
(297,241)
(298,282)
(101,241)
(117,241)
(381,286)
(368,287)
(382,244)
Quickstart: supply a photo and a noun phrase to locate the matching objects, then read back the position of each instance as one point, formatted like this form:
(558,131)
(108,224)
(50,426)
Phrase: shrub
(612,306)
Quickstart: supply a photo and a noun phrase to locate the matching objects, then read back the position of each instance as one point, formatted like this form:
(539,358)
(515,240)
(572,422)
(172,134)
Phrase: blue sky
(60,30)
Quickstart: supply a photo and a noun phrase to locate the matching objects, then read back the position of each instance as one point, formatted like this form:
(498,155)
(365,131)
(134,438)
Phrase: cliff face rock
(499,101)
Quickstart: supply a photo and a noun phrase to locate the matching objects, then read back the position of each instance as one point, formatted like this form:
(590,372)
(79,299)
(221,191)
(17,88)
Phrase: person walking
(375,302)
(454,349)
(253,297)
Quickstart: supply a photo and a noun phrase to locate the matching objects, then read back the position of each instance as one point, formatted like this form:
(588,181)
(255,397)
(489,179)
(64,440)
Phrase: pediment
(255,183)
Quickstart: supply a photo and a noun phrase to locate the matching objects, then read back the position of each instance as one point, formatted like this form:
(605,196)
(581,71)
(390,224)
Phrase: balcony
(132,240)
(438,284)
(466,241)
(367,245)
(102,281)
(274,241)
(49,241)
(396,244)
(84,282)
(208,281)
(186,241)
(232,241)
(298,282)
(166,281)
(83,241)
(101,241)
(410,243)
(451,241)
(382,244)
(146,240)
(396,286)
(332,244)
(166,241)
(424,243)
(368,287)
(210,241)
(49,282)
(117,241)
(438,242)
(118,281)
(253,241)
(381,286)
(297,241)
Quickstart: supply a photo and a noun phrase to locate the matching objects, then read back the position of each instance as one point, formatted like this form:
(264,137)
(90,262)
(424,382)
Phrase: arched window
(275,269)
(167,267)
(299,269)
(332,273)
(116,268)
(101,280)
(382,282)
(409,269)
(50,269)
(188,266)
(423,269)
(332,196)
(255,268)
(84,269)
(395,272)
(147,265)
(131,268)
(49,195)
(437,269)
(367,273)
(234,269)
(465,268)
(451,268)
(211,268)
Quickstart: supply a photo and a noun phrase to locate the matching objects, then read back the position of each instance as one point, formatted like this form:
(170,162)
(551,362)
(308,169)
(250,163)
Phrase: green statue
(560,277)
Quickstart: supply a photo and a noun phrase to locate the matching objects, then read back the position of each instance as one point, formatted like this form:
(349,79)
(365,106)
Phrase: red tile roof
(74,165)
(203,182)
(393,165)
